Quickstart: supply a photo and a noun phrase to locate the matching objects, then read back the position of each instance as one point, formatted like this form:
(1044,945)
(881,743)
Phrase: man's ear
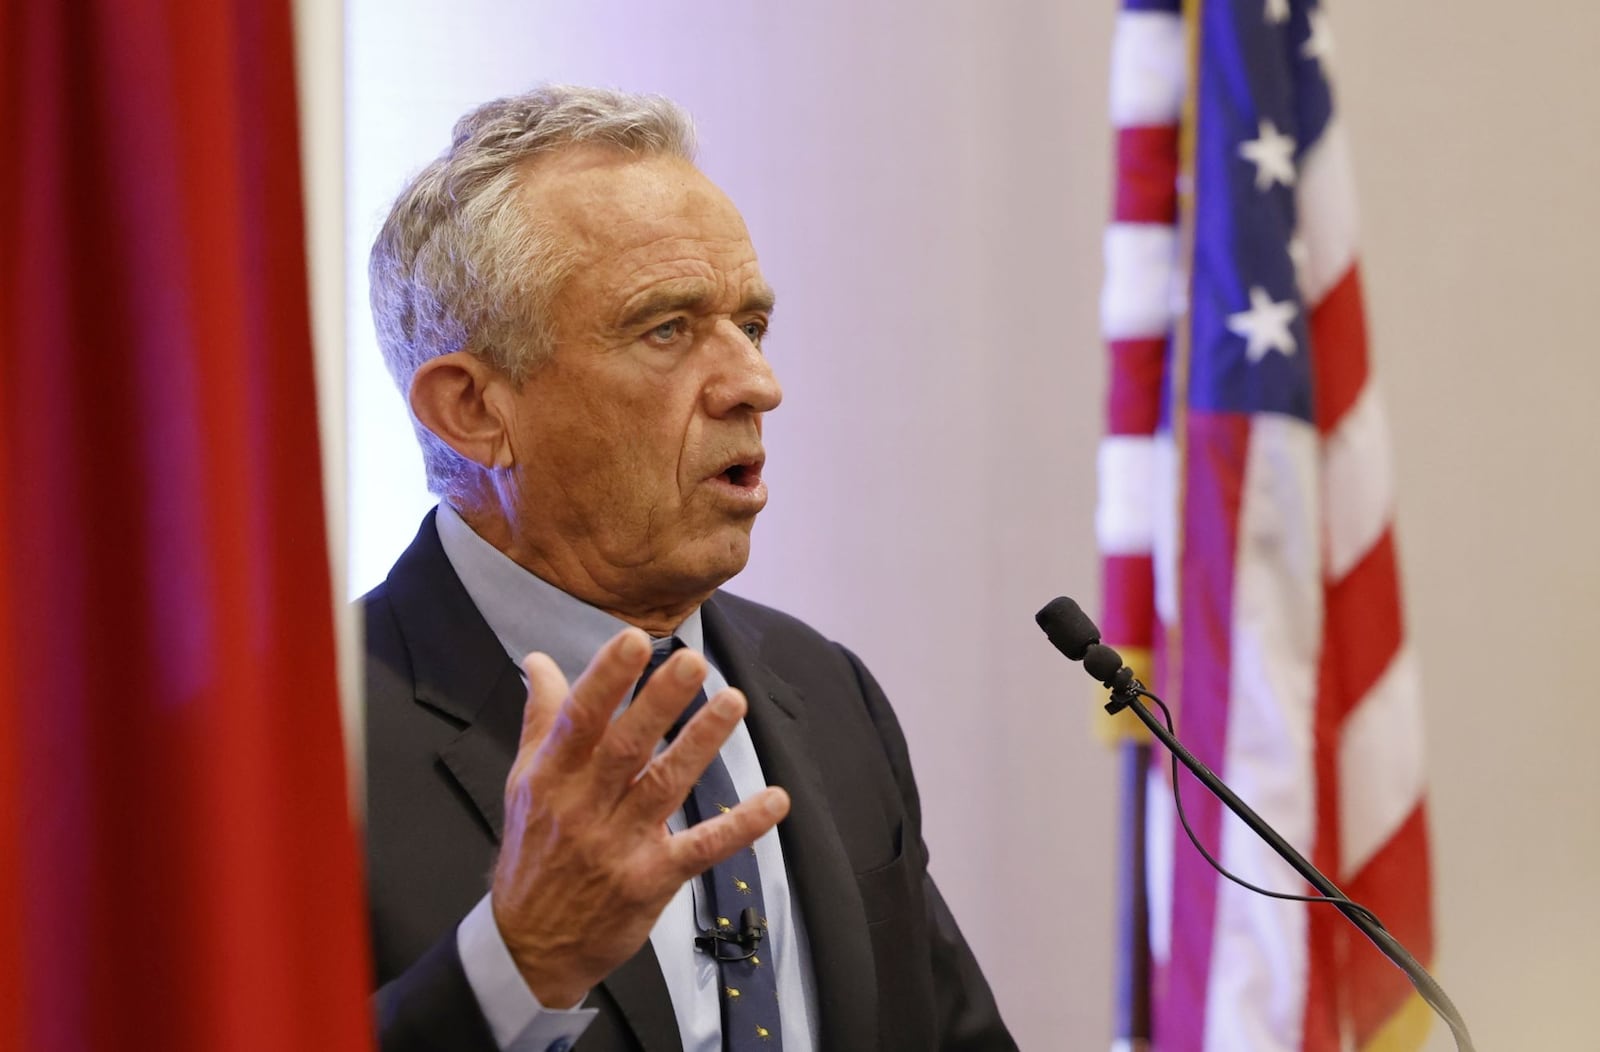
(462,399)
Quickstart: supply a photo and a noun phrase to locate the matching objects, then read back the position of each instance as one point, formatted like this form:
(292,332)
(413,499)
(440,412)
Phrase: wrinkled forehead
(599,198)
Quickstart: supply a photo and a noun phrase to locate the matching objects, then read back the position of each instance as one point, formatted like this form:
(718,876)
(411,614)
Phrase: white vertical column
(319,57)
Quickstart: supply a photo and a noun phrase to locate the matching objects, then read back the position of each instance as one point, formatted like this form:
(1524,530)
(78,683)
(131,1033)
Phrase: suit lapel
(480,757)
(461,670)
(641,994)
(819,869)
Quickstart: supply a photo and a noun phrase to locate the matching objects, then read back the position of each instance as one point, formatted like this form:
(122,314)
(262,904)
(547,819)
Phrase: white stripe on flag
(1381,763)
(1326,202)
(1148,66)
(1164,519)
(1137,297)
(1124,517)
(1256,998)
(1358,482)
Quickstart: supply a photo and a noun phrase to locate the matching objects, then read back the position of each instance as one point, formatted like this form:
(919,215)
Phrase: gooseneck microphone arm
(1075,635)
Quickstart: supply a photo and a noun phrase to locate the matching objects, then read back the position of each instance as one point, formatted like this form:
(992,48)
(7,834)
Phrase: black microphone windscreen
(1068,627)
(1102,663)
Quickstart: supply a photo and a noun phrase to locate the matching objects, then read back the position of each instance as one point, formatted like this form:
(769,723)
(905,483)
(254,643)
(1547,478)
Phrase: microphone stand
(1125,694)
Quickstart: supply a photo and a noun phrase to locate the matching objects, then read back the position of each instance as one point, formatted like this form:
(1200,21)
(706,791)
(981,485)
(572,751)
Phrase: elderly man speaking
(609,805)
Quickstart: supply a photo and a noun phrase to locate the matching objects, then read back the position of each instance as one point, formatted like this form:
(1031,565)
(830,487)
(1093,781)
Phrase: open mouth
(745,476)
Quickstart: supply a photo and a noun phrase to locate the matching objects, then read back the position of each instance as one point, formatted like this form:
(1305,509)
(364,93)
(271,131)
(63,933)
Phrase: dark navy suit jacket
(444,711)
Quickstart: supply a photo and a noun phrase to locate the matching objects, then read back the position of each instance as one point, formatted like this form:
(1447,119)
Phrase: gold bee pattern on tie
(750,1002)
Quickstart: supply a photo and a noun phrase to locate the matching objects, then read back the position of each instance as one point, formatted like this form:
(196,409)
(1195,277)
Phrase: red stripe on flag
(1326,931)
(1339,350)
(1133,404)
(1147,174)
(1128,584)
(1395,884)
(1363,625)
(1214,457)
(1362,634)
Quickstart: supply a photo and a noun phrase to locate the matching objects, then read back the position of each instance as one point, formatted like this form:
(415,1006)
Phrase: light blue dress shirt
(526,613)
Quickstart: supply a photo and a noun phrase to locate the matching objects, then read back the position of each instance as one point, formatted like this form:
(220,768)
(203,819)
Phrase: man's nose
(744,378)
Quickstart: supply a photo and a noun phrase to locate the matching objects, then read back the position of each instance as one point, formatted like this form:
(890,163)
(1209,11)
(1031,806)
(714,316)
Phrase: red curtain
(178,868)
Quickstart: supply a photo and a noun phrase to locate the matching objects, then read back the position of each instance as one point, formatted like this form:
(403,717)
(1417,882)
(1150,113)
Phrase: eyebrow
(759,300)
(692,295)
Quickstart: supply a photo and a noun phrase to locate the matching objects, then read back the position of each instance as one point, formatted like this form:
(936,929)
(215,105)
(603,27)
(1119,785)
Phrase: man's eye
(756,331)
(667,330)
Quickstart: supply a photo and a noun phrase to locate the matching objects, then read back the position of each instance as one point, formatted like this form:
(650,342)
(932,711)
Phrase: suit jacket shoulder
(443,718)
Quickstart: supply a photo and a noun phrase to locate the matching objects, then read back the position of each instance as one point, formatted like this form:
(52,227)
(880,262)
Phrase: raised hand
(586,862)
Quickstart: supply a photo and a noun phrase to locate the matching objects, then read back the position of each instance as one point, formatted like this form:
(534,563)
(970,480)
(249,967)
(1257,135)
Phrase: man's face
(638,444)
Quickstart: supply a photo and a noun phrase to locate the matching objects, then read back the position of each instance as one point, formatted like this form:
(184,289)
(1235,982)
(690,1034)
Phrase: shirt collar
(527,613)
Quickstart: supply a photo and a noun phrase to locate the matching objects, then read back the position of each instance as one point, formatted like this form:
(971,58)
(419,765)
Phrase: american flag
(1245,519)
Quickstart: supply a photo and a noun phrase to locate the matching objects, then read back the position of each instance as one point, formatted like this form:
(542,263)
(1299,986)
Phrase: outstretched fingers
(667,780)
(565,724)
(703,845)
(586,863)
(547,688)
(631,740)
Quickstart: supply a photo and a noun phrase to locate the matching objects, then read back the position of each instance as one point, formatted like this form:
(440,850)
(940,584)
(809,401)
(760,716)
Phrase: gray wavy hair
(462,263)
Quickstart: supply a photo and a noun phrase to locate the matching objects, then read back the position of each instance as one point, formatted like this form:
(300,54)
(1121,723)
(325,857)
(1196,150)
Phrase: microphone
(1068,627)
(1072,632)
(748,938)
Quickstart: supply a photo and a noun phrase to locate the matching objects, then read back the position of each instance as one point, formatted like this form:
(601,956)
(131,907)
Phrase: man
(575,314)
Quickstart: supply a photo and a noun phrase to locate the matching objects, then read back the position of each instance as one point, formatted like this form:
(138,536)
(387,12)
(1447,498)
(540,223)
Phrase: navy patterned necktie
(749,991)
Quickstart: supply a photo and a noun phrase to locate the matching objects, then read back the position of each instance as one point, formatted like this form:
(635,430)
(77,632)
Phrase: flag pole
(1152,62)
(1131,1013)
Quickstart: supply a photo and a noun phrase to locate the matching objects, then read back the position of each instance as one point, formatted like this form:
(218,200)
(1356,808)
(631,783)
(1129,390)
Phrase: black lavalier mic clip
(752,928)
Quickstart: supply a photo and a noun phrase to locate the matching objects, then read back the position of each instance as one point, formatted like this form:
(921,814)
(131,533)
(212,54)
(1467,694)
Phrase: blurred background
(927,185)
